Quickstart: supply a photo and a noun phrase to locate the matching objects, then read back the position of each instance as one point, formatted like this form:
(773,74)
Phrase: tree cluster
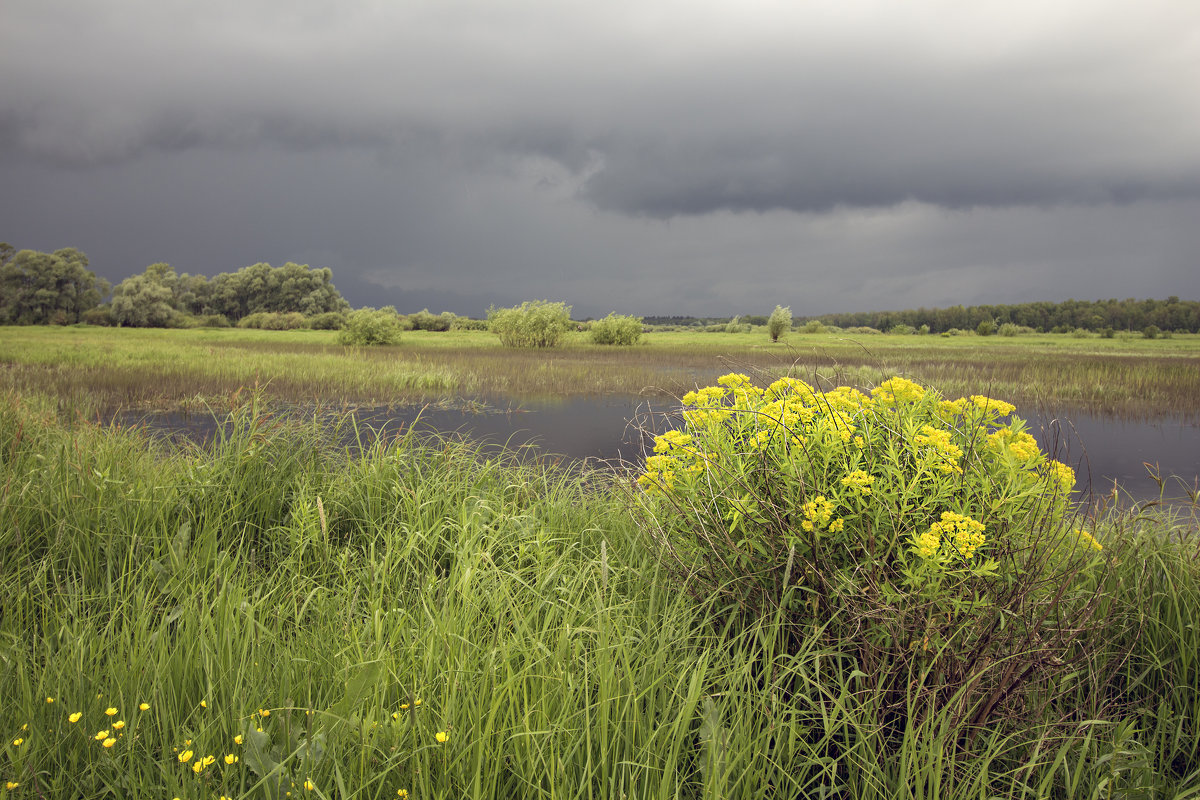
(58,288)
(46,288)
(158,296)
(1171,314)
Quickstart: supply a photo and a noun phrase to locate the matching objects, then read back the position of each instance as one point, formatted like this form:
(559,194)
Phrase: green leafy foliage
(534,323)
(424,320)
(368,326)
(779,323)
(616,329)
(46,288)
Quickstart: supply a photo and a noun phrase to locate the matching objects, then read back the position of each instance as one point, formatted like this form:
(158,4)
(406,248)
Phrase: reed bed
(422,621)
(97,370)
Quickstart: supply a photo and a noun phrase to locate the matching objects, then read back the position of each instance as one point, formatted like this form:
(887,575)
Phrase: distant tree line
(1171,314)
(58,288)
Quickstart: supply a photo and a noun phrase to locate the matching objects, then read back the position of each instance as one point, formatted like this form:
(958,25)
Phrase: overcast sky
(638,156)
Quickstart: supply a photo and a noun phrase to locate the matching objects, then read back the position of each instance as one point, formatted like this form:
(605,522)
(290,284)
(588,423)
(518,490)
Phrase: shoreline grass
(98,370)
(517,611)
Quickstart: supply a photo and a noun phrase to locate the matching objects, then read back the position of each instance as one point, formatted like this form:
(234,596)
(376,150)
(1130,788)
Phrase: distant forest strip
(1171,314)
(57,288)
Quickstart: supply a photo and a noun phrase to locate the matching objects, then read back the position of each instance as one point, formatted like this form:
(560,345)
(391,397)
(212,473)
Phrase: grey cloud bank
(655,157)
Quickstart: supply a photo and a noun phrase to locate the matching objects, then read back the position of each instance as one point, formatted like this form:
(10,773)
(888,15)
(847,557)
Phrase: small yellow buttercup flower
(309,785)
(144,707)
(101,736)
(204,704)
(185,756)
(402,793)
(237,739)
(198,767)
(49,699)
(110,711)
(262,712)
(109,742)
(18,742)
(231,758)
(78,715)
(10,785)
(442,737)
(118,725)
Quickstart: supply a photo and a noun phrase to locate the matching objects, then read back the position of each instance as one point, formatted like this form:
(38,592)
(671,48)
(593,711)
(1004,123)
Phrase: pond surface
(1101,450)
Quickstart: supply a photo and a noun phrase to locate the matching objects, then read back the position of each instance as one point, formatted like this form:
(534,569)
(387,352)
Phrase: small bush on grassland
(814,326)
(617,329)
(985,328)
(468,324)
(929,536)
(100,315)
(1151,332)
(901,330)
(534,323)
(274,321)
(328,321)
(368,326)
(424,320)
(779,323)
(1009,329)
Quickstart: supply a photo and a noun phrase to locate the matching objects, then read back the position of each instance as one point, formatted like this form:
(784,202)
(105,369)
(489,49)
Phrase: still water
(1101,450)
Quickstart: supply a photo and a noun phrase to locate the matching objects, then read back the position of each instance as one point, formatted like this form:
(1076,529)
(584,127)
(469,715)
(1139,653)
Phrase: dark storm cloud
(614,154)
(805,112)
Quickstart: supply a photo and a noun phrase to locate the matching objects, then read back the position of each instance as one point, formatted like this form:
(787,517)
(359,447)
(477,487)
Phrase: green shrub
(865,329)
(901,330)
(368,326)
(534,323)
(928,536)
(1107,333)
(616,329)
(254,321)
(1009,329)
(469,324)
(779,323)
(327,321)
(1081,333)
(986,327)
(1151,332)
(423,320)
(814,326)
(100,315)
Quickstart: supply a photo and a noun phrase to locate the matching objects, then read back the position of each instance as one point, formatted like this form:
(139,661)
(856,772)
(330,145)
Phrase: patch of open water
(1101,450)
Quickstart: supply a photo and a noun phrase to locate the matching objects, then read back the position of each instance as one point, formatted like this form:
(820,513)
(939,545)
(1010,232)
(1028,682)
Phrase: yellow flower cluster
(1088,539)
(895,391)
(858,482)
(939,449)
(818,515)
(670,441)
(1062,475)
(1019,444)
(963,535)
(992,409)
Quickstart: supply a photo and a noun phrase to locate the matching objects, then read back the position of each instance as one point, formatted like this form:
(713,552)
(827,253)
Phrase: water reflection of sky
(1100,450)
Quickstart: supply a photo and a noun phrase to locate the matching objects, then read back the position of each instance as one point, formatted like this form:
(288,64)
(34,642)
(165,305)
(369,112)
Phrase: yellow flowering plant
(934,534)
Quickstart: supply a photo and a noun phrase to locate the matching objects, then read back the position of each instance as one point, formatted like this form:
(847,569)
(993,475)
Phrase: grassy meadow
(102,369)
(273,617)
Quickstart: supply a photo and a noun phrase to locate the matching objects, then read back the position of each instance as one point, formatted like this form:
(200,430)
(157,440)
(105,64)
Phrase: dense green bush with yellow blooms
(933,534)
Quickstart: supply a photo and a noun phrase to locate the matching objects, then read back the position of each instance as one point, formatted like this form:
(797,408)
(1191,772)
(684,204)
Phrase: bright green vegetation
(534,323)
(98,369)
(616,329)
(354,608)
